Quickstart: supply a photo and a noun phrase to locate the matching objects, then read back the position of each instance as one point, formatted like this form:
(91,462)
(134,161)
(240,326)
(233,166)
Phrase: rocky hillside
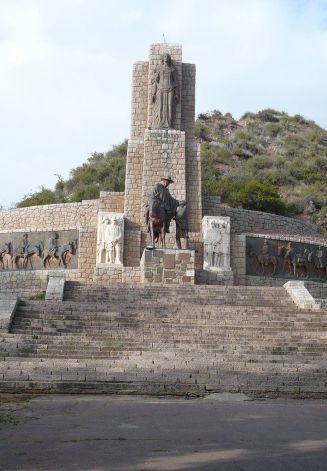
(267,161)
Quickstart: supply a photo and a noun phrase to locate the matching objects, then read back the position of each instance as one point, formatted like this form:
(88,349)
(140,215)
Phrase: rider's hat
(168,178)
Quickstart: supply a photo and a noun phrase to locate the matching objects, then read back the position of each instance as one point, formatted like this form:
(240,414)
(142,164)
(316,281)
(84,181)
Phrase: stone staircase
(166,340)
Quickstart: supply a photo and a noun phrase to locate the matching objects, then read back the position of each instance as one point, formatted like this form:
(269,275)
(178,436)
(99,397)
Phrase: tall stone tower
(161,143)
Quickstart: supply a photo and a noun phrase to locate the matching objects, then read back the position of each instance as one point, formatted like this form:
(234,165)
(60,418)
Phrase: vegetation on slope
(266,161)
(101,172)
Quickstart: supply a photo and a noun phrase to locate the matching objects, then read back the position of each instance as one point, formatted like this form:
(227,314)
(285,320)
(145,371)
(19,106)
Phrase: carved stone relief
(285,259)
(216,239)
(110,238)
(39,250)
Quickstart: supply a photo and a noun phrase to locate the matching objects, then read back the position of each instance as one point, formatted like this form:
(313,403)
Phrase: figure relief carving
(165,94)
(110,239)
(39,250)
(216,243)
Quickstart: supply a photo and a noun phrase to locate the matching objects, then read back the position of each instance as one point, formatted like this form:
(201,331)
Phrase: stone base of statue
(112,273)
(168,266)
(215,277)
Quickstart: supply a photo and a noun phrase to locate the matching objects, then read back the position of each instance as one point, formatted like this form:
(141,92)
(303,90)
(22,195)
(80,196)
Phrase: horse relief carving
(39,250)
(289,259)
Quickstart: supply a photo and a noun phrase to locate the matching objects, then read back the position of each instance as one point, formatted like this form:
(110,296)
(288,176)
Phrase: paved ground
(220,432)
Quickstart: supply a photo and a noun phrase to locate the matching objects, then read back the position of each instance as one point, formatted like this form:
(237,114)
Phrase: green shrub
(44,196)
(87,192)
(40,296)
(256,196)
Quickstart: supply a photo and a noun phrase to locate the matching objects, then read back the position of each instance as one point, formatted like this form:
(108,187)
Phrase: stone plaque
(50,250)
(216,241)
(285,259)
(110,238)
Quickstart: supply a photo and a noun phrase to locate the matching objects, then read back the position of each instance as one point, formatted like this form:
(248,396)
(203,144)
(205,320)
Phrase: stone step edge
(154,389)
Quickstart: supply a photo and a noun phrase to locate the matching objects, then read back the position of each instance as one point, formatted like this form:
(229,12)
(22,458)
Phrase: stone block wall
(139,108)
(133,209)
(57,217)
(245,221)
(164,153)
(188,99)
(168,266)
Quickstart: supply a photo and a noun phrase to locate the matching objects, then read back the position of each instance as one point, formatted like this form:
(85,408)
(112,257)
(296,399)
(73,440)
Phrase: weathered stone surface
(168,266)
(216,239)
(110,238)
(169,261)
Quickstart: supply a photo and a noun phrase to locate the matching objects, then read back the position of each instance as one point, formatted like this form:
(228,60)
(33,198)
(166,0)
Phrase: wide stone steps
(170,295)
(161,339)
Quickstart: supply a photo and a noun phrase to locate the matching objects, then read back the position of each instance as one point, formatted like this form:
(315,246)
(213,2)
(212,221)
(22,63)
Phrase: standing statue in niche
(165,94)
(109,241)
(115,243)
(213,251)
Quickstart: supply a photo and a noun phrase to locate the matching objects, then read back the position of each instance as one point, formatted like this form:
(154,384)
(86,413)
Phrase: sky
(66,71)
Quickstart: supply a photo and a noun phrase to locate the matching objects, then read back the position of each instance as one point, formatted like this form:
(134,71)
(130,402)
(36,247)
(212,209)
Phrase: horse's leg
(25,261)
(63,259)
(163,237)
(152,234)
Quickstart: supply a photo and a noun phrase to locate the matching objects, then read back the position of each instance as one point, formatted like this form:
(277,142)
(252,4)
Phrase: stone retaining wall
(57,217)
(245,221)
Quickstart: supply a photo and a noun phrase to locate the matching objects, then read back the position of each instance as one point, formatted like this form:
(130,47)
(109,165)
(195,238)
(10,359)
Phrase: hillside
(267,161)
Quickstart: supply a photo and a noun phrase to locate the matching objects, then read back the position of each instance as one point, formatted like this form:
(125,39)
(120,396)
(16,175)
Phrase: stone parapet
(247,221)
(56,286)
(300,295)
(168,266)
(8,306)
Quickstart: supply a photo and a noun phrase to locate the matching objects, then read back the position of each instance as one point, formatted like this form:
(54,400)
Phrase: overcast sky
(65,71)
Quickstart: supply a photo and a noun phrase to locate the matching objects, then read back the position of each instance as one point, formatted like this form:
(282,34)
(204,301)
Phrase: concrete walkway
(220,432)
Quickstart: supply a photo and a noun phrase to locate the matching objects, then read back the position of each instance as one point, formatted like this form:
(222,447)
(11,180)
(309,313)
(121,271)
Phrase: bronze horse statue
(156,223)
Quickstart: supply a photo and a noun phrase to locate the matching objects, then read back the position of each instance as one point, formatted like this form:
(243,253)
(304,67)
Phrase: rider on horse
(166,201)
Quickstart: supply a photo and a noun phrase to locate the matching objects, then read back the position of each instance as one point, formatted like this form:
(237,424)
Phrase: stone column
(157,152)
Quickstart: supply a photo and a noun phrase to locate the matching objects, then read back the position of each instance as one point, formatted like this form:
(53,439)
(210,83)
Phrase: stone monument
(162,144)
(216,240)
(110,239)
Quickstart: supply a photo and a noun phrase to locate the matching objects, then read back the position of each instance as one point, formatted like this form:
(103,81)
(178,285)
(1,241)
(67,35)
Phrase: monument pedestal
(168,266)
(110,273)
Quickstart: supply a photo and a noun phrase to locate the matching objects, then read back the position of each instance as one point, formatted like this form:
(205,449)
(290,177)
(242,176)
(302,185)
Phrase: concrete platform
(220,432)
